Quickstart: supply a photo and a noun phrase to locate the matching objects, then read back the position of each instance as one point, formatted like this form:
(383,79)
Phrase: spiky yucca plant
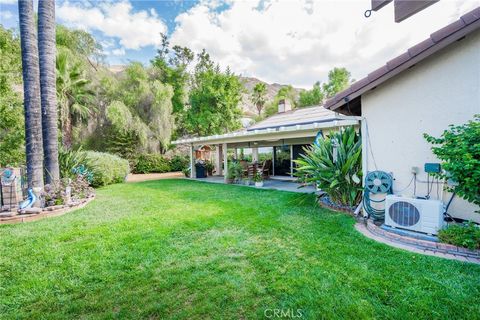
(335,165)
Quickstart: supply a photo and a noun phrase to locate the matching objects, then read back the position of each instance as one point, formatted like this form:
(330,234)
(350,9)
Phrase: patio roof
(293,124)
(316,114)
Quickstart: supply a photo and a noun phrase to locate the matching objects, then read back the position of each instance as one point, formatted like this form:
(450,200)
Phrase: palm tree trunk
(47,55)
(31,88)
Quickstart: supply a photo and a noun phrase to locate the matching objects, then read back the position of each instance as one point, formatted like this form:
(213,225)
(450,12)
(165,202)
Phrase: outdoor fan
(376,182)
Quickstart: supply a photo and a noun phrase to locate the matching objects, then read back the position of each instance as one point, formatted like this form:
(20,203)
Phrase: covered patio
(279,139)
(271,184)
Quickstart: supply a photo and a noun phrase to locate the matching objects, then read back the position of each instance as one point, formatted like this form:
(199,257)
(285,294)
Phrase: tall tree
(73,95)
(31,89)
(170,66)
(258,96)
(311,97)
(214,98)
(12,146)
(47,54)
(338,79)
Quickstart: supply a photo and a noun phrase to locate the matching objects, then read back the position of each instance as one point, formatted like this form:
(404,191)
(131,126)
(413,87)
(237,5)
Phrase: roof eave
(264,134)
(346,96)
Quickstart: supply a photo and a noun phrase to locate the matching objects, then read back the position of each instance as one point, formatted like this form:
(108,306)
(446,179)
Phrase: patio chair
(265,168)
(244,165)
(251,169)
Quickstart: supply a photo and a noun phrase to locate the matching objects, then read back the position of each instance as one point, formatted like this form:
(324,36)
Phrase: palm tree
(258,96)
(73,96)
(31,89)
(47,48)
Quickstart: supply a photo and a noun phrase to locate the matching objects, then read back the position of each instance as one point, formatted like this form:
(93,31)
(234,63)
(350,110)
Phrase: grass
(178,249)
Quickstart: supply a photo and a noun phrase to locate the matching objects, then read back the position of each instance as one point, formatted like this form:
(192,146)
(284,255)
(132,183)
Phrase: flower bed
(327,203)
(33,214)
(422,244)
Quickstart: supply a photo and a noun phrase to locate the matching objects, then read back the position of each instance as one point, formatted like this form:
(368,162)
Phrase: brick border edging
(46,213)
(422,244)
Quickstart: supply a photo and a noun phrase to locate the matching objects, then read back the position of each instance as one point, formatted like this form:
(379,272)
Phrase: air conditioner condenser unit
(414,214)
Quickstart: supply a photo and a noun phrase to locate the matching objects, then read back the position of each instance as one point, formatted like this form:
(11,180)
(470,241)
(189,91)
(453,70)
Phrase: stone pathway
(360,226)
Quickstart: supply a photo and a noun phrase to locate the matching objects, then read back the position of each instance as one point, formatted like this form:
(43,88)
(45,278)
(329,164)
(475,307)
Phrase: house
(432,85)
(283,135)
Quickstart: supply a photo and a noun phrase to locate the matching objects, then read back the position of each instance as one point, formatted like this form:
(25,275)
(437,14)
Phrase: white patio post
(225,162)
(255,154)
(291,160)
(192,162)
(218,159)
(235,154)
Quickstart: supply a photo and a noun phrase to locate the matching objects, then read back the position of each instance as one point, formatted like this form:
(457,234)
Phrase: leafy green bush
(235,170)
(462,235)
(69,160)
(106,168)
(340,175)
(459,149)
(178,163)
(149,163)
(186,172)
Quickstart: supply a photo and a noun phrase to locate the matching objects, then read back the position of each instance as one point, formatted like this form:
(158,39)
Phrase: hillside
(247,106)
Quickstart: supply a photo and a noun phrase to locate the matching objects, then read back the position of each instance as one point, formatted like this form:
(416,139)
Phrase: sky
(283,41)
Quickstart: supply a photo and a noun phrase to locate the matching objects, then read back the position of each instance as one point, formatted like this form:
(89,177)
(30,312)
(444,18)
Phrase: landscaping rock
(32,210)
(8,214)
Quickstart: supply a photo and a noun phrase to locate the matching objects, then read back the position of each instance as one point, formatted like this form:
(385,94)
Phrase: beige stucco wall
(442,90)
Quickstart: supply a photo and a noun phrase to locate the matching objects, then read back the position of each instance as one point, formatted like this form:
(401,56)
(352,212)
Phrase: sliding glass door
(281,161)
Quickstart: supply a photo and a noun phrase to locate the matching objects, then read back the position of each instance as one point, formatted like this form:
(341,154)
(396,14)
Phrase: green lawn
(179,249)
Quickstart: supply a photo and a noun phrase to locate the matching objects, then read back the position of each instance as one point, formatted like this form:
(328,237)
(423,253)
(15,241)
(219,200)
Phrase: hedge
(178,163)
(151,163)
(155,163)
(106,168)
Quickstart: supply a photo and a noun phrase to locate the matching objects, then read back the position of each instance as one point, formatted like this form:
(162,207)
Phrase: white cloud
(118,52)
(134,29)
(299,41)
(8,1)
(6,15)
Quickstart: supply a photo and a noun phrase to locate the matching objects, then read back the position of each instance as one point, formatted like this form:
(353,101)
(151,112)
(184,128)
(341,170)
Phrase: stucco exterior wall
(442,90)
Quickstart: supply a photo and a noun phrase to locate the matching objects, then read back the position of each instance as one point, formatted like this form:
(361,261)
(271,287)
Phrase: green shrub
(178,163)
(335,164)
(458,148)
(186,172)
(463,235)
(106,168)
(69,160)
(150,163)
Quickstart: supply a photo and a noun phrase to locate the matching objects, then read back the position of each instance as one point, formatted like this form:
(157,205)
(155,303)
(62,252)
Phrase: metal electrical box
(433,167)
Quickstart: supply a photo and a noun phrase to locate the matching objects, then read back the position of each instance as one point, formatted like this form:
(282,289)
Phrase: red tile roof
(437,40)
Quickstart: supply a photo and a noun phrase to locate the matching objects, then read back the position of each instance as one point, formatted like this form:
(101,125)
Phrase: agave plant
(335,165)
(70,161)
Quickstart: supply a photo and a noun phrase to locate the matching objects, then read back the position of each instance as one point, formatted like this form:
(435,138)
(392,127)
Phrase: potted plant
(230,177)
(237,170)
(186,172)
(258,179)
(209,167)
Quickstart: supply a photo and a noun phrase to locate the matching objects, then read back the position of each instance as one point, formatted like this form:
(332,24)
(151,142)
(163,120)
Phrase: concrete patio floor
(272,183)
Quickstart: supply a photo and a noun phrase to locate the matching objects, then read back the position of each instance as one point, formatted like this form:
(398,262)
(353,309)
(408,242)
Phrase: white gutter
(269,133)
